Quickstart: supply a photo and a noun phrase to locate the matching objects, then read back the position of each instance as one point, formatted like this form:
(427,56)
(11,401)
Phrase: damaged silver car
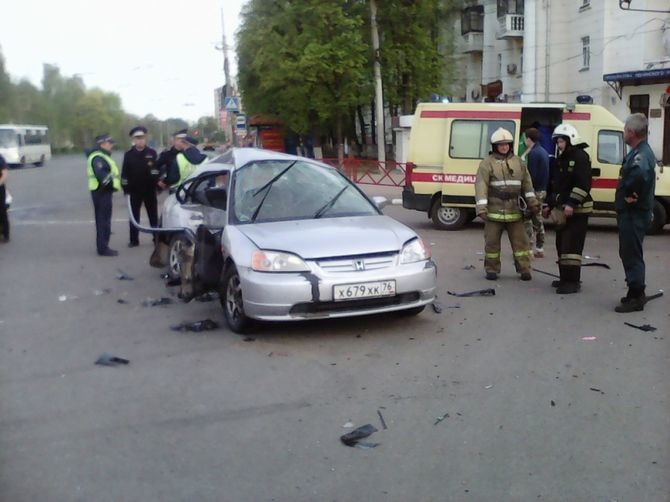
(286,238)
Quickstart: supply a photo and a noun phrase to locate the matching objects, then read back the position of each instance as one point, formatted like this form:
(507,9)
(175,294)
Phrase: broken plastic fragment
(348,425)
(589,338)
(479,292)
(151,302)
(469,267)
(122,276)
(352,438)
(440,418)
(121,301)
(64,298)
(381,419)
(100,292)
(196,326)
(107,360)
(595,257)
(603,265)
(644,327)
(489,386)
(437,307)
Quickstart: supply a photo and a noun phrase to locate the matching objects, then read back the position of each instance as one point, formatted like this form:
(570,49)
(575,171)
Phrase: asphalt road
(534,411)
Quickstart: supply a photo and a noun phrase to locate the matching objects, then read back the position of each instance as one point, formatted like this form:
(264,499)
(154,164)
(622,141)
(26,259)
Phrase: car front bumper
(300,296)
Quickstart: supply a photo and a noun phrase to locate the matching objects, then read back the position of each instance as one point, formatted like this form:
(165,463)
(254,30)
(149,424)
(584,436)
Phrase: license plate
(363,290)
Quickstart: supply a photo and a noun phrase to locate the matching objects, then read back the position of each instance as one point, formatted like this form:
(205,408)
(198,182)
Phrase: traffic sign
(232,104)
(241,121)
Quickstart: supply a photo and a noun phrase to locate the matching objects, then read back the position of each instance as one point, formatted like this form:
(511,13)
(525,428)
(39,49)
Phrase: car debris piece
(655,295)
(546,273)
(210,296)
(603,265)
(489,387)
(644,327)
(196,326)
(440,418)
(108,360)
(151,302)
(100,292)
(437,307)
(122,276)
(165,276)
(553,403)
(596,390)
(589,338)
(479,292)
(469,267)
(348,425)
(121,301)
(381,419)
(352,438)
(594,257)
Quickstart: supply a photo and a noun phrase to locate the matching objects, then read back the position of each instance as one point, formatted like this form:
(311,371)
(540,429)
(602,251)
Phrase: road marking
(60,222)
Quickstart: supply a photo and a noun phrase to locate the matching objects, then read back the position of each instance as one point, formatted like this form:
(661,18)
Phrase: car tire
(232,303)
(40,163)
(659,218)
(174,266)
(412,311)
(448,218)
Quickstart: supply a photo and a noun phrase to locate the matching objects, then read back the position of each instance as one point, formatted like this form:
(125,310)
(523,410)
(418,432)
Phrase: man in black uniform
(4,220)
(569,194)
(167,158)
(139,176)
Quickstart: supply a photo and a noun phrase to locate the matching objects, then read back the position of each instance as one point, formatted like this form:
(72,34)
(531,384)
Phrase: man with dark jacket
(537,160)
(103,181)
(167,158)
(569,195)
(188,157)
(4,220)
(139,176)
(634,203)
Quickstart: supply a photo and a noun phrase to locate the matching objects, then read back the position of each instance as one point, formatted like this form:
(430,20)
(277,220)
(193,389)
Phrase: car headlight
(275,261)
(414,251)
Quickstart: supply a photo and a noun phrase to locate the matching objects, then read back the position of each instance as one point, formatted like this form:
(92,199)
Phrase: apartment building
(539,50)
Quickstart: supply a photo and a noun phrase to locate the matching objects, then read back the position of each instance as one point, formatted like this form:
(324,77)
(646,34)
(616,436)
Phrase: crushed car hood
(329,237)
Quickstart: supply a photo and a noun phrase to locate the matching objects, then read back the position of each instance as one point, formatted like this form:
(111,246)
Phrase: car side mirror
(380,201)
(217,197)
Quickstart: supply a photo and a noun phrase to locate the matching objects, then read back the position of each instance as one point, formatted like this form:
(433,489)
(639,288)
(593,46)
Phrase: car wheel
(232,302)
(41,162)
(448,218)
(412,311)
(174,256)
(658,219)
(22,162)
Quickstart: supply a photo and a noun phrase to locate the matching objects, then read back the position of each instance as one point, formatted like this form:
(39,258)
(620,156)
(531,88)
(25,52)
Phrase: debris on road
(437,307)
(107,360)
(121,301)
(489,387)
(644,327)
(596,390)
(165,276)
(603,265)
(656,295)
(348,425)
(210,296)
(479,292)
(122,276)
(546,273)
(196,326)
(589,338)
(381,419)
(248,339)
(553,403)
(64,298)
(440,418)
(594,257)
(100,292)
(151,302)
(469,267)
(352,438)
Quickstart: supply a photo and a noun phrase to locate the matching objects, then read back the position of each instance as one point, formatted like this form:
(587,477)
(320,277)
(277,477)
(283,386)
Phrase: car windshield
(8,138)
(300,190)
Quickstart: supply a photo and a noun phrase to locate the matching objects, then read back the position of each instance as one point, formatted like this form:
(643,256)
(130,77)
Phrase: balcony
(510,26)
(473,42)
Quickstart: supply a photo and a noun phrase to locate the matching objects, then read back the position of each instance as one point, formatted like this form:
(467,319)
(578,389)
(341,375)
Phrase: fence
(371,172)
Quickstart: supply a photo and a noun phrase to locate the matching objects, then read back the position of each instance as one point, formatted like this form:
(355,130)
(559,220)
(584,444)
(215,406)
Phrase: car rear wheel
(174,256)
(232,302)
(448,218)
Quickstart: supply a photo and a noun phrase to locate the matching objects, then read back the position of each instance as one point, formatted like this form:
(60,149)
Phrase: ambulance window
(471,139)
(610,147)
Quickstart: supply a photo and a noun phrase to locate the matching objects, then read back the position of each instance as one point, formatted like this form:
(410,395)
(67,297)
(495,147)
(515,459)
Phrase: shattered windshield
(299,190)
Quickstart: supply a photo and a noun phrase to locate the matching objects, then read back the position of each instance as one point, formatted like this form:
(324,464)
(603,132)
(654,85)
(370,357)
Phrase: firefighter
(569,195)
(139,177)
(502,180)
(103,181)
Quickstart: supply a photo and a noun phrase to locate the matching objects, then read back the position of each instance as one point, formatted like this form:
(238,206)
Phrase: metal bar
(154,230)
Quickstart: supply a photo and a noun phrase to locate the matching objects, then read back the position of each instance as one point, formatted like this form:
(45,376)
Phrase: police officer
(167,157)
(188,157)
(103,181)
(634,203)
(4,219)
(569,194)
(139,176)
(501,180)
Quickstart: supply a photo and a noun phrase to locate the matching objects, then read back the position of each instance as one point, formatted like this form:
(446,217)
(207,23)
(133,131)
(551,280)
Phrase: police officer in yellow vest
(502,180)
(185,162)
(103,180)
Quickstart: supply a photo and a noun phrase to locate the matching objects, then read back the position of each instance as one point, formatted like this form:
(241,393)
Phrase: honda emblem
(359,265)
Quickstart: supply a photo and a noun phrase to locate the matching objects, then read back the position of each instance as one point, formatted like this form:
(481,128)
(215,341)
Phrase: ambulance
(448,141)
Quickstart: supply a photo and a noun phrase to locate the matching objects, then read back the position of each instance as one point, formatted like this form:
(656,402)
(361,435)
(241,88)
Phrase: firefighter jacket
(501,180)
(570,180)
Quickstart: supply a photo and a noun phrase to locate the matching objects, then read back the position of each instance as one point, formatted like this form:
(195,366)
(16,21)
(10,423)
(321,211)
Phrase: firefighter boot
(635,303)
(569,282)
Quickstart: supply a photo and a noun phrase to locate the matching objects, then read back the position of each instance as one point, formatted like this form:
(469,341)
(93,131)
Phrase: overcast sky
(159,55)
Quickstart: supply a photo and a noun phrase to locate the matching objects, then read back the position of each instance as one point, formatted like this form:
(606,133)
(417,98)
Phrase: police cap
(190,140)
(182,133)
(137,132)
(104,138)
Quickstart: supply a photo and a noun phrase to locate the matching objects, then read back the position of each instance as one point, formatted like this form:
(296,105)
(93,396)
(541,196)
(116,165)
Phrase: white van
(24,144)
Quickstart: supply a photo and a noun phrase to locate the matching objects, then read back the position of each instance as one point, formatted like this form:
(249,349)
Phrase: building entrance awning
(642,77)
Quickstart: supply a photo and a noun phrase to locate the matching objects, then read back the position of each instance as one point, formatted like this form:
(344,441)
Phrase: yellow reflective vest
(93,182)
(185,168)
(501,180)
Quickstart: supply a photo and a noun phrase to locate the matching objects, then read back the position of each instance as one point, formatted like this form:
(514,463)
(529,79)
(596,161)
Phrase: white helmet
(568,131)
(501,136)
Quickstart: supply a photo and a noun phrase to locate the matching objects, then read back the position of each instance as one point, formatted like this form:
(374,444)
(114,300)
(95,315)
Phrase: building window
(510,7)
(639,103)
(499,65)
(472,19)
(586,53)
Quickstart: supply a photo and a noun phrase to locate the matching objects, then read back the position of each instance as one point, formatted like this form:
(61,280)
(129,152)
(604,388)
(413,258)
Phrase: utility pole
(228,89)
(379,97)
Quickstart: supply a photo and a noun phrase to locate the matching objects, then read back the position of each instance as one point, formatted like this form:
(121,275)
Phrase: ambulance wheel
(448,218)
(658,219)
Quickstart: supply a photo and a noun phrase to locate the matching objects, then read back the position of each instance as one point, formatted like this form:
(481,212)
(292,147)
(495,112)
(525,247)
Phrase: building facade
(538,50)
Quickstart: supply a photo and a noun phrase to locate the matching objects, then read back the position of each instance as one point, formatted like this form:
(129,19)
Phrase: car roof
(236,158)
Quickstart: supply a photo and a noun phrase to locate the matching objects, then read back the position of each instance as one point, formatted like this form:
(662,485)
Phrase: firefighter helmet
(501,136)
(568,132)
